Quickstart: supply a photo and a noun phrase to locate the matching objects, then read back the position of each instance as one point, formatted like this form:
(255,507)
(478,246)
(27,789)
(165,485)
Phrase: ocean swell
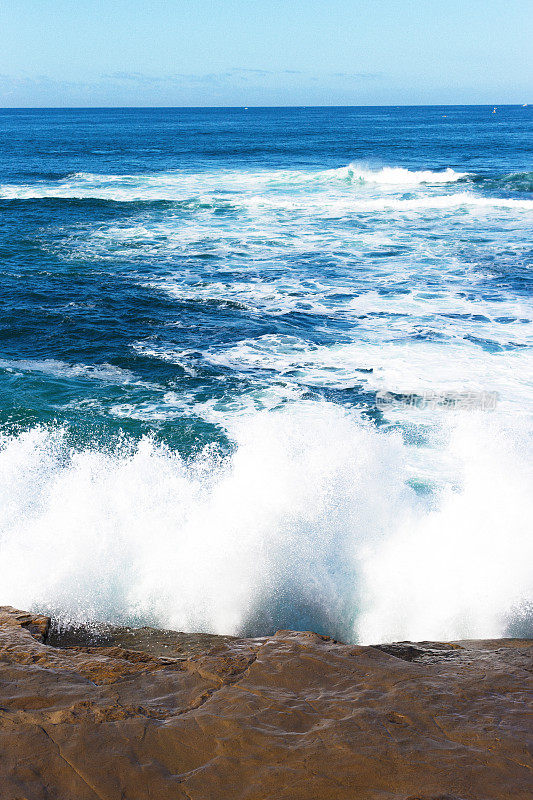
(513,182)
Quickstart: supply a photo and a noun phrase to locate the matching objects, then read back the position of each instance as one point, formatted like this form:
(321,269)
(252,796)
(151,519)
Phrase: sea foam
(399,176)
(313,521)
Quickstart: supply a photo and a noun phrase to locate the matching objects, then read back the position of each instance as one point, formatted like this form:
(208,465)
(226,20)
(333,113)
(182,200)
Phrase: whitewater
(271,372)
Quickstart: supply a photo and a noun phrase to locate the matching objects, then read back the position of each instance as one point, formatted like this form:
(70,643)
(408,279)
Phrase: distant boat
(524,105)
(494,110)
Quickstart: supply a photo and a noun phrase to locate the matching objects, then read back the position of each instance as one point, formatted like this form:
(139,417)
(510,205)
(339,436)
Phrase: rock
(121,714)
(37,624)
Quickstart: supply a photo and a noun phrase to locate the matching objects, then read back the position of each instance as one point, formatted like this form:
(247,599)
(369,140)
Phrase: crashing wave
(311,522)
(399,176)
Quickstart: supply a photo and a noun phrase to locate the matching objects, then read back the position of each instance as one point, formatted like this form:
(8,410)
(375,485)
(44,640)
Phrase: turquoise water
(268,368)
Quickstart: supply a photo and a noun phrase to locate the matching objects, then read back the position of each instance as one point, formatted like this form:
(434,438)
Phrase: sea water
(268,368)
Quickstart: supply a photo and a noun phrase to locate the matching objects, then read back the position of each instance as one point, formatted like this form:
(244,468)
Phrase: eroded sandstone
(129,715)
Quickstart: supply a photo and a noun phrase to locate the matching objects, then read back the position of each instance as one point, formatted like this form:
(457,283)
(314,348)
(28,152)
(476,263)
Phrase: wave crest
(399,176)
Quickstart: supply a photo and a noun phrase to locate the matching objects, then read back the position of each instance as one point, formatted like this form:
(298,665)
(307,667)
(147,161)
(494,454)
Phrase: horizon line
(244,107)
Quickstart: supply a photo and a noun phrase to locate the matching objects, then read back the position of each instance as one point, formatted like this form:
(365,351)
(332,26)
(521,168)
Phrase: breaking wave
(314,521)
(398,176)
(334,193)
(179,185)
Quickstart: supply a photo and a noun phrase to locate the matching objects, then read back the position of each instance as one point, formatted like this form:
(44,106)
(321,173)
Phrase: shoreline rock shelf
(143,714)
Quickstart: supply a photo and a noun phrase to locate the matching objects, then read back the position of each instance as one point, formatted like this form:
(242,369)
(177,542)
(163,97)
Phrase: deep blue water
(269,338)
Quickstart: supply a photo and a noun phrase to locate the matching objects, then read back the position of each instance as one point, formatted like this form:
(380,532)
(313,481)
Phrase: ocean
(268,368)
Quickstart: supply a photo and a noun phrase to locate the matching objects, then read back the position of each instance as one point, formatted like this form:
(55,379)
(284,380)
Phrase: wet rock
(124,714)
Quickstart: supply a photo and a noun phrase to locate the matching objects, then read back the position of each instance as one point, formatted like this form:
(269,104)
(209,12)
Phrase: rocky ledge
(135,714)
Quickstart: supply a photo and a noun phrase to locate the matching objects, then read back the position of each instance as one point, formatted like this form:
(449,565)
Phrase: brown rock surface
(129,715)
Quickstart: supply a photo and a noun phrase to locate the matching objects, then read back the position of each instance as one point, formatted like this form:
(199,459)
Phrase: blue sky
(264,52)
